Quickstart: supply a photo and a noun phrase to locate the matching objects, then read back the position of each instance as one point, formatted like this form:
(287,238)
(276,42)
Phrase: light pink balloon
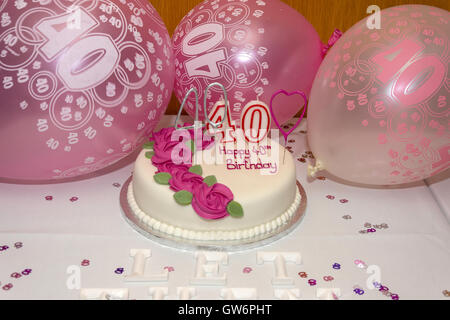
(81,86)
(379,107)
(253,48)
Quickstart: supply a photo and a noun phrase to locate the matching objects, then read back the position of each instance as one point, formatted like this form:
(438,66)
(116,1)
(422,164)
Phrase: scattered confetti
(302,160)
(372,230)
(169,268)
(247,270)
(395,296)
(49,198)
(18,245)
(4,248)
(73,199)
(16,275)
(330,197)
(116,184)
(359,291)
(336,266)
(119,271)
(343,201)
(7,287)
(26,272)
(312,282)
(328,278)
(303,275)
(347,217)
(361,264)
(446,293)
(85,263)
(367,225)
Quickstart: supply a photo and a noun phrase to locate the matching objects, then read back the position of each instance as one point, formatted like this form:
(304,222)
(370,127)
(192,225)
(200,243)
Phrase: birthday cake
(212,191)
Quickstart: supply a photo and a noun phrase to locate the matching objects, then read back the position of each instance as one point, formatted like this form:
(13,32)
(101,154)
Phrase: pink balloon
(253,48)
(81,86)
(378,111)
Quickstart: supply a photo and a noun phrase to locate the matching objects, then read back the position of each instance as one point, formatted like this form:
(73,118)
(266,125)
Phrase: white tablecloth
(411,257)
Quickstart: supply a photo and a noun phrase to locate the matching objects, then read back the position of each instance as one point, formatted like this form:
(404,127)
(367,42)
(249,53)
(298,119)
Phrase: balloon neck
(337,34)
(313,170)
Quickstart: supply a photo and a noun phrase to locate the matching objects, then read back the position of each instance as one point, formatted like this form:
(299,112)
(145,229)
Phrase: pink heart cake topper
(300,93)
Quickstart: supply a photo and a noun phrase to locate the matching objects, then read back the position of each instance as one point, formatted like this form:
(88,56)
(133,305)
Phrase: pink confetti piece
(343,201)
(247,270)
(18,245)
(312,282)
(116,184)
(169,268)
(16,275)
(49,198)
(330,197)
(26,272)
(85,263)
(328,278)
(7,287)
(73,199)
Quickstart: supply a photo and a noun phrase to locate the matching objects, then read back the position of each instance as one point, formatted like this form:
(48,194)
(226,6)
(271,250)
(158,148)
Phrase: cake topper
(274,118)
(198,124)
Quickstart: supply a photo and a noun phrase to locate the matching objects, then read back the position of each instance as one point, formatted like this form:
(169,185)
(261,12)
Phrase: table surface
(83,222)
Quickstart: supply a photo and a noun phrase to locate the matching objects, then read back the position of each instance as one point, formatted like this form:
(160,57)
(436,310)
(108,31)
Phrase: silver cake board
(173,242)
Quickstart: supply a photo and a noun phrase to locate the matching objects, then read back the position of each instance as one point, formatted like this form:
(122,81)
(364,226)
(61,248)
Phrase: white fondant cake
(268,201)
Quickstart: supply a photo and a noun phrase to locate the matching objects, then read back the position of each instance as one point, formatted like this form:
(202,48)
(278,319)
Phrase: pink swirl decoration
(83,83)
(378,111)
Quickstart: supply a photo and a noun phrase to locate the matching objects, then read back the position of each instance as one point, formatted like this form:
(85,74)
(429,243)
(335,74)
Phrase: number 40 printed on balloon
(98,52)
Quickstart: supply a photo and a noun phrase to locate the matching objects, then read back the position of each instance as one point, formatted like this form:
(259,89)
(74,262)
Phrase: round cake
(239,195)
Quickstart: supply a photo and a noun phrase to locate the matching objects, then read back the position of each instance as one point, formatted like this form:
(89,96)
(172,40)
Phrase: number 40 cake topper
(256,116)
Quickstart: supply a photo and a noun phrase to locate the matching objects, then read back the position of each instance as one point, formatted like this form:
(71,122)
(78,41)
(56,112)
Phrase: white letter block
(287,294)
(158,293)
(328,293)
(186,293)
(207,268)
(239,294)
(280,259)
(104,294)
(140,256)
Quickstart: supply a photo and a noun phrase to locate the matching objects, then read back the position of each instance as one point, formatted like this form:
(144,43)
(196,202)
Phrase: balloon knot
(337,34)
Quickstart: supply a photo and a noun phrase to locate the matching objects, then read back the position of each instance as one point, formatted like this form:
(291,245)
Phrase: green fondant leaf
(183,197)
(235,209)
(162,178)
(210,180)
(196,169)
(149,145)
(149,154)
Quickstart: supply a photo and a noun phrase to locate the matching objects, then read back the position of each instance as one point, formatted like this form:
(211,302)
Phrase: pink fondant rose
(164,147)
(171,167)
(211,202)
(184,180)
